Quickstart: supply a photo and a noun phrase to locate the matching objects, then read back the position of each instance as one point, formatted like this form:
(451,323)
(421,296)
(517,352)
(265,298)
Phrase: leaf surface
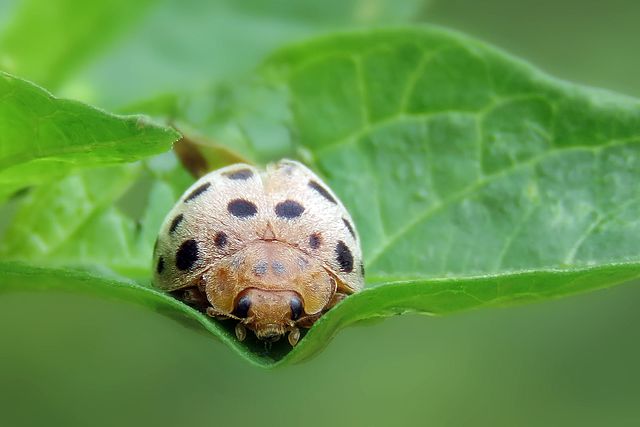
(42,136)
(455,159)
(104,220)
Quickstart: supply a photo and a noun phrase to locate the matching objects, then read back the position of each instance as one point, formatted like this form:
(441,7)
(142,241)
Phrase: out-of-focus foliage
(579,40)
(47,40)
(187,44)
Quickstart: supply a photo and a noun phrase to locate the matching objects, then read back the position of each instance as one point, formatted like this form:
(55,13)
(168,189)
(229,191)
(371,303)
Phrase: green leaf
(47,40)
(454,159)
(18,277)
(42,136)
(435,297)
(89,220)
(474,179)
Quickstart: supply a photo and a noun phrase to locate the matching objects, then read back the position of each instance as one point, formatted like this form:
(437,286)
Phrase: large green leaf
(474,179)
(43,136)
(454,158)
(48,39)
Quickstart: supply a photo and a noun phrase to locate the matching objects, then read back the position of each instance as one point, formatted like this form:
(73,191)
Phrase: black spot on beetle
(198,191)
(289,209)
(160,267)
(362,269)
(187,254)
(344,257)
(260,269)
(220,239)
(323,191)
(175,223)
(242,208)
(315,240)
(349,227)
(287,167)
(241,174)
(278,267)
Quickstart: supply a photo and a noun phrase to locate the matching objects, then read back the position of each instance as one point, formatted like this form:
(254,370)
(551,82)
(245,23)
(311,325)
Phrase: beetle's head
(269,314)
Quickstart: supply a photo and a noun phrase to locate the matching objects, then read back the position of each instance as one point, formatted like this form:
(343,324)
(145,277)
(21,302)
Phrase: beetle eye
(296,308)
(242,307)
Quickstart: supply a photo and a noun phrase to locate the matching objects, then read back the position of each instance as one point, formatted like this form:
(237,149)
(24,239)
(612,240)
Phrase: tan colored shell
(314,265)
(295,271)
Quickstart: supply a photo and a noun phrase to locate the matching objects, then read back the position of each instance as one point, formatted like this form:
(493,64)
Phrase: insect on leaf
(473,178)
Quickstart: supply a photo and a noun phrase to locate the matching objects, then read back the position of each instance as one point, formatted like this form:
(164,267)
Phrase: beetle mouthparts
(272,337)
(270,333)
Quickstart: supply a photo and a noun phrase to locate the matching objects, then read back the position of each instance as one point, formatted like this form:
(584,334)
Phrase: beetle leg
(241,331)
(294,336)
(212,312)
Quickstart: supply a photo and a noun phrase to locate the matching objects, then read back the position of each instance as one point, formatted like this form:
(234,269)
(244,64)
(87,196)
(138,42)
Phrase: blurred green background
(100,362)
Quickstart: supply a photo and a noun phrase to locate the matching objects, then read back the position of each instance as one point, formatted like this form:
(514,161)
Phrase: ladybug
(273,249)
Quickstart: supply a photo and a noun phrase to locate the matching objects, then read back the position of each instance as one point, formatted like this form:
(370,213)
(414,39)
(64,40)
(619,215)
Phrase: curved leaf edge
(23,277)
(431,32)
(375,302)
(141,121)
